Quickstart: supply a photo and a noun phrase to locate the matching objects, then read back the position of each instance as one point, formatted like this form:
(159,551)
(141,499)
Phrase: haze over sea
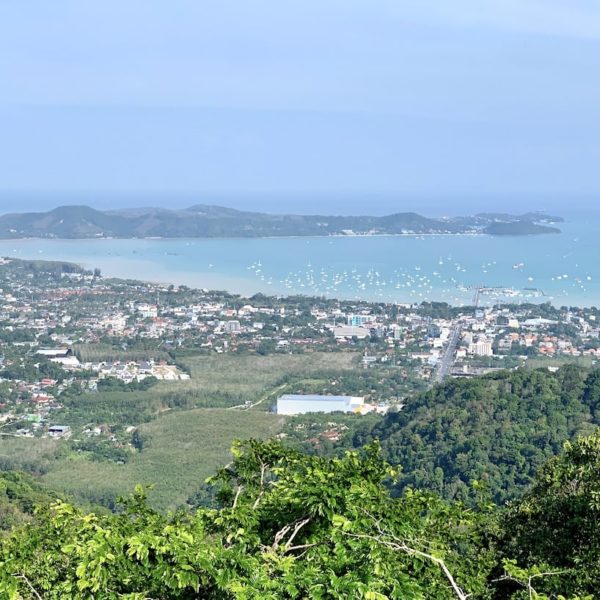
(347,107)
(562,268)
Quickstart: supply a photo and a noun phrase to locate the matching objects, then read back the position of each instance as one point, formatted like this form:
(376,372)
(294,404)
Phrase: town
(66,332)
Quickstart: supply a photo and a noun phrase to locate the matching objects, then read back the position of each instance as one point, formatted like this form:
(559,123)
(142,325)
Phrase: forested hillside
(409,516)
(499,429)
(290,525)
(20,494)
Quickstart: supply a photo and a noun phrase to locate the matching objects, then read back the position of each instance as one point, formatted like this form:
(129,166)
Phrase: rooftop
(316,398)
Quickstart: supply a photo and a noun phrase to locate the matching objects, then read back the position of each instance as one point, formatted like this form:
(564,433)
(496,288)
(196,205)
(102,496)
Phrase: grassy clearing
(253,372)
(183,448)
(218,381)
(249,377)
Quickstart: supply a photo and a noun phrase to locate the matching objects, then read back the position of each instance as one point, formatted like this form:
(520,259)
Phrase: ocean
(562,269)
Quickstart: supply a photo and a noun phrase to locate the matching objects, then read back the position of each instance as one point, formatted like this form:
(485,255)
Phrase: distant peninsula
(207,221)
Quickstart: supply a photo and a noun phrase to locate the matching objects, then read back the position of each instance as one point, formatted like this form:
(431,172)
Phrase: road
(444,366)
(266,396)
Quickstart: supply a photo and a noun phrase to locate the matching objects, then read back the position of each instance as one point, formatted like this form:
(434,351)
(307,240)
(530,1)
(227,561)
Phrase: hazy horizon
(469,103)
(315,203)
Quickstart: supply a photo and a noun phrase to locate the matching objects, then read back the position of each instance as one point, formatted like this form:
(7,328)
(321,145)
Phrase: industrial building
(348,331)
(299,404)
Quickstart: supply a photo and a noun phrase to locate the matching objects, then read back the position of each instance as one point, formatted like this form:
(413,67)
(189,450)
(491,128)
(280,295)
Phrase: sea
(563,269)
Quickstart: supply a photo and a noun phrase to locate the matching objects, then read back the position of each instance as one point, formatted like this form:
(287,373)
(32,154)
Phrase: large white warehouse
(299,404)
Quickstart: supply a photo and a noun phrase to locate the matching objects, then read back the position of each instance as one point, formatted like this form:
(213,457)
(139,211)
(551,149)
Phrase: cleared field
(99,352)
(218,381)
(249,377)
(182,449)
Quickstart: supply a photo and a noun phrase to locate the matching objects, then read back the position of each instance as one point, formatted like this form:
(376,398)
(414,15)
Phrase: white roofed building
(299,404)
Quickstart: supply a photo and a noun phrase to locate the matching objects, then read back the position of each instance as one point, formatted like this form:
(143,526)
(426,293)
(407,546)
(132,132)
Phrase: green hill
(20,494)
(499,429)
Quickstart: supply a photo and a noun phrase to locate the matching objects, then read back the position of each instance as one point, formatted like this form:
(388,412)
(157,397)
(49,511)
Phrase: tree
(279,524)
(557,521)
(289,526)
(267,346)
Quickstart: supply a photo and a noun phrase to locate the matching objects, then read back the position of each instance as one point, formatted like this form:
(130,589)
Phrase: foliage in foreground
(558,520)
(297,526)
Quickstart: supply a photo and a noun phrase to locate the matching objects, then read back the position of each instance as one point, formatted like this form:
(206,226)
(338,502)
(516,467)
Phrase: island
(209,221)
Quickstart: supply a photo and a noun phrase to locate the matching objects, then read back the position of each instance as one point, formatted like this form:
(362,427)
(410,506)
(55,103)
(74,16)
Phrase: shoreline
(284,237)
(231,287)
(395,268)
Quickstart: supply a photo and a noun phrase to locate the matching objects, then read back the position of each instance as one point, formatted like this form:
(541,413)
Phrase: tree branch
(31,588)
(237,495)
(402,547)
(300,547)
(280,535)
(299,526)
(263,469)
(530,589)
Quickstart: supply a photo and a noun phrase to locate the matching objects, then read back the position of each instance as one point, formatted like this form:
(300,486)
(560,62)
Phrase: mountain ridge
(207,220)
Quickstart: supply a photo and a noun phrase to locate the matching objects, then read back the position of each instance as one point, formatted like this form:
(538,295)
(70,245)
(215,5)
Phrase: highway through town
(445,364)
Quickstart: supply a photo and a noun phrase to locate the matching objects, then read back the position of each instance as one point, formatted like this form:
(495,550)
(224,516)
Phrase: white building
(347,331)
(299,404)
(482,347)
(232,326)
(360,320)
(147,311)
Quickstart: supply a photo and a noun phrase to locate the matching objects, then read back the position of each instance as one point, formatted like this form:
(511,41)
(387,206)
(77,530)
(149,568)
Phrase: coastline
(376,268)
(230,286)
(287,237)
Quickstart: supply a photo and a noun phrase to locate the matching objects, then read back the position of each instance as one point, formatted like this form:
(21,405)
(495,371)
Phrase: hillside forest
(482,488)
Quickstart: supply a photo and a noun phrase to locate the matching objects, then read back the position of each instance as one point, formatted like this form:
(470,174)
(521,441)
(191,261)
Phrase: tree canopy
(290,525)
(499,429)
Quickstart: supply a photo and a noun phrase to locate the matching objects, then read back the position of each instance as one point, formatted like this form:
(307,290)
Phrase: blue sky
(424,101)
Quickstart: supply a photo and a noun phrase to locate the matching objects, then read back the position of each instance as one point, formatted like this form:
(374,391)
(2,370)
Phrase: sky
(347,105)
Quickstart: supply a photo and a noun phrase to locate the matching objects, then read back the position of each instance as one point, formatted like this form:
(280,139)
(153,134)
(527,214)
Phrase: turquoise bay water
(561,268)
